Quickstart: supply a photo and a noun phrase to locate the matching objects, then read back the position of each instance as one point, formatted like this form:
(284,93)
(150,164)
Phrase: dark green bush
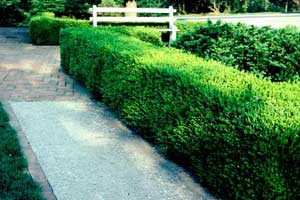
(70,8)
(13,12)
(152,3)
(267,52)
(15,182)
(145,3)
(45,30)
(238,133)
(79,8)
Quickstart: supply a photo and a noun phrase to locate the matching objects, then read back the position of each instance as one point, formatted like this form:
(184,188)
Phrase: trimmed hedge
(44,30)
(146,34)
(15,182)
(239,134)
(267,52)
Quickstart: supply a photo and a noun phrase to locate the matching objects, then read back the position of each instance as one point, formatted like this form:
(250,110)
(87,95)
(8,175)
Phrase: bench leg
(173,36)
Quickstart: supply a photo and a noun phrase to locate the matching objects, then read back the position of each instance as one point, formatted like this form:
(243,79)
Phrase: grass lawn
(15,182)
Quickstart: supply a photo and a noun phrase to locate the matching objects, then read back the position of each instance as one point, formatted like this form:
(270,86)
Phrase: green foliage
(185,27)
(15,183)
(268,52)
(78,8)
(45,30)
(13,12)
(54,6)
(108,3)
(70,8)
(145,3)
(152,3)
(195,6)
(46,14)
(17,12)
(238,133)
(146,34)
(120,3)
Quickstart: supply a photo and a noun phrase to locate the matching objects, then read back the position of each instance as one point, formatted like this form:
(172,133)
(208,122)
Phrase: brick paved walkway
(32,73)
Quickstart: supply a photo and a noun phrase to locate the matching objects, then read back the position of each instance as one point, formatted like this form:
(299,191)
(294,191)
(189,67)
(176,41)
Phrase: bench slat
(132,19)
(133,10)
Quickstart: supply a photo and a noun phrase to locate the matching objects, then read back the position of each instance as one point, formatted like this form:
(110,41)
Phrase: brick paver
(33,73)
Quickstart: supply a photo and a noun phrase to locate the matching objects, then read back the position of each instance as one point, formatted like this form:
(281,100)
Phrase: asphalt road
(274,20)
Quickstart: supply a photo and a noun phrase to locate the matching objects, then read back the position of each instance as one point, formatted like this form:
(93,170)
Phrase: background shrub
(267,52)
(238,133)
(45,30)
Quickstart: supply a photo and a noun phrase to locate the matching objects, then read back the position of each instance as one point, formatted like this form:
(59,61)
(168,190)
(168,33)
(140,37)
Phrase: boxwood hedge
(238,133)
(267,52)
(146,34)
(44,30)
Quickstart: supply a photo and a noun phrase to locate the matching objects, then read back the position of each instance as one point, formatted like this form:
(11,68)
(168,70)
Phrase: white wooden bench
(170,18)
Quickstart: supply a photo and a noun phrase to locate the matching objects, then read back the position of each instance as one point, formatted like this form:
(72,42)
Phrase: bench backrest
(170,18)
(95,10)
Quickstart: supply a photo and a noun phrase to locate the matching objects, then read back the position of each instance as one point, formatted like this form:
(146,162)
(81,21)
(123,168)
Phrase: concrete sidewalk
(76,144)
(87,153)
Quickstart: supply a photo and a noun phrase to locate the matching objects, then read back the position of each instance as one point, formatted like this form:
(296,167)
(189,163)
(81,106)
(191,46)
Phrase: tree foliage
(55,6)
(17,11)
(78,8)
(13,11)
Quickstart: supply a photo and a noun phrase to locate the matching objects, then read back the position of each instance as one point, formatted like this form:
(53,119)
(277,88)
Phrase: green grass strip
(15,182)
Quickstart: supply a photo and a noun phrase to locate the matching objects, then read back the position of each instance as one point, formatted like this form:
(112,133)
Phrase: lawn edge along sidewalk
(34,167)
